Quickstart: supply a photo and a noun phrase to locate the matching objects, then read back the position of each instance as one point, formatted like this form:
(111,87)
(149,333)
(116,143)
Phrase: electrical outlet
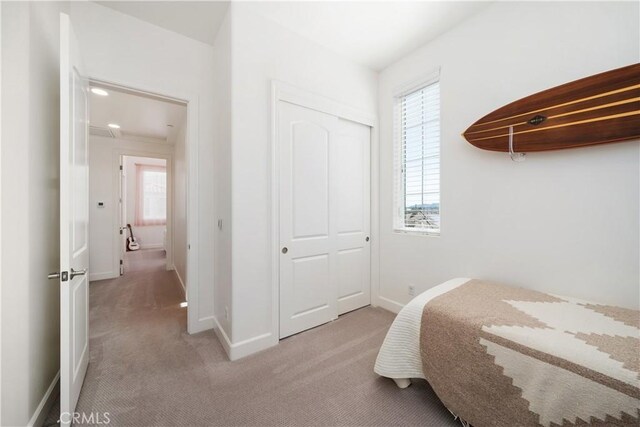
(412,291)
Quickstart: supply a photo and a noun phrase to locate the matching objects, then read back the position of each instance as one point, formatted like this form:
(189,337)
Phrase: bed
(503,356)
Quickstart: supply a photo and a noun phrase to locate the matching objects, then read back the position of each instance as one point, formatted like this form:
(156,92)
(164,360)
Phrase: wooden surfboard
(599,109)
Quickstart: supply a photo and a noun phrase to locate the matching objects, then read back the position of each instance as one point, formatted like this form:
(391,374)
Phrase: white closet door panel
(350,279)
(310,179)
(352,174)
(308,287)
(311,284)
(350,196)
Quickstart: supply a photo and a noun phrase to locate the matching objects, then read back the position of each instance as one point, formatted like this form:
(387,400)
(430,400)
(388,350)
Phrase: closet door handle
(285,250)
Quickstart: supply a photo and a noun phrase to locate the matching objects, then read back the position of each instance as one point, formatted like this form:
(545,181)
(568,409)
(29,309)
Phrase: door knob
(75,273)
(54,275)
(367,239)
(285,250)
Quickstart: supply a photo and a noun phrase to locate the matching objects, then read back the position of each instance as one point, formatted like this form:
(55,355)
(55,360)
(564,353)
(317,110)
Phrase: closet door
(324,217)
(351,173)
(308,286)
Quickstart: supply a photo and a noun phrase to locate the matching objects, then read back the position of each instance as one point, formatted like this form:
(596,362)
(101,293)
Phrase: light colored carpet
(145,370)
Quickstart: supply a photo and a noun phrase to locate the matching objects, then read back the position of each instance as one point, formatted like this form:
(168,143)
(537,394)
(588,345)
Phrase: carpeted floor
(145,370)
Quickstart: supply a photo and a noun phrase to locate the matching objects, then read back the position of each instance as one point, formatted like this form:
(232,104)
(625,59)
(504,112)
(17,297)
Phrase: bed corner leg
(402,382)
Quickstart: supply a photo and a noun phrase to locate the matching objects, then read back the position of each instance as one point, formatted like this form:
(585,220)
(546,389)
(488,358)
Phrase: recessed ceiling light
(99,91)
(113,126)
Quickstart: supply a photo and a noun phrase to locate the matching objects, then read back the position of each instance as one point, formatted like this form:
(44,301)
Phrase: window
(418,160)
(151,205)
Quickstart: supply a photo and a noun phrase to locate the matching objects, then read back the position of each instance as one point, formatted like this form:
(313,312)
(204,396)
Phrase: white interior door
(352,202)
(122,212)
(324,217)
(74,221)
(308,296)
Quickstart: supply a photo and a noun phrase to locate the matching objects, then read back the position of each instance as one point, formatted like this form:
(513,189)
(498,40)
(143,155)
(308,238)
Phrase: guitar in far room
(132,243)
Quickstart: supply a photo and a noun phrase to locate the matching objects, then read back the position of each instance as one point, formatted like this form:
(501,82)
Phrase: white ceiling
(140,118)
(372,33)
(199,20)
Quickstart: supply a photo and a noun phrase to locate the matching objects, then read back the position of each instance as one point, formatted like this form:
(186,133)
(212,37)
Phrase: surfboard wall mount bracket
(516,157)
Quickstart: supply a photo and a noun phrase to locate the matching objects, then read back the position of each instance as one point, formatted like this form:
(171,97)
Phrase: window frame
(399,196)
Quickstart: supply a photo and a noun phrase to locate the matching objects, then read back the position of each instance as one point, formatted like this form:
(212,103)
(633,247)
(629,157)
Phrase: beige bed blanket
(503,356)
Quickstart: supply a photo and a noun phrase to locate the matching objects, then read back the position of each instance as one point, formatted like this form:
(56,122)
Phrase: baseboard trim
(246,347)
(49,398)
(182,284)
(252,345)
(203,324)
(222,337)
(103,276)
(389,304)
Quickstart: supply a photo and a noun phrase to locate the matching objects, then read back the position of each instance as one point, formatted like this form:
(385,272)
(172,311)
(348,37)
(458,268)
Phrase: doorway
(138,180)
(145,210)
(90,145)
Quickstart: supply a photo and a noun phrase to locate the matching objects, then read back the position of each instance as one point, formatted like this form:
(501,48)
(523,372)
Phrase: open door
(74,222)
(122,212)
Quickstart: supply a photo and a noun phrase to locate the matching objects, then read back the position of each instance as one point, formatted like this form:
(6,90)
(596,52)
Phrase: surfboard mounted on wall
(599,109)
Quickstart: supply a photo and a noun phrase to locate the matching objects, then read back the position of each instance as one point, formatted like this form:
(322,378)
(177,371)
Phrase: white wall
(566,222)
(103,187)
(148,236)
(222,167)
(125,50)
(0,210)
(30,219)
(263,51)
(179,211)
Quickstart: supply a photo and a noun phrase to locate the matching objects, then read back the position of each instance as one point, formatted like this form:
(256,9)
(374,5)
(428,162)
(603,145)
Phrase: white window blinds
(418,160)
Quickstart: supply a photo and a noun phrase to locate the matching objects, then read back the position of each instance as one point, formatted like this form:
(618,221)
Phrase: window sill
(416,232)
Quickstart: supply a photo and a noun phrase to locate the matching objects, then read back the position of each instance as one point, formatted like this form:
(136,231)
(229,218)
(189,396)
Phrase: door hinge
(120,167)
(121,235)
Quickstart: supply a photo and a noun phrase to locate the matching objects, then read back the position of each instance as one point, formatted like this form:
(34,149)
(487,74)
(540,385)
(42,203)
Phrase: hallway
(138,314)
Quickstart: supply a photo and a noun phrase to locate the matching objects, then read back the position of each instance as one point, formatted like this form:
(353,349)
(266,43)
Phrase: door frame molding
(195,322)
(281,91)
